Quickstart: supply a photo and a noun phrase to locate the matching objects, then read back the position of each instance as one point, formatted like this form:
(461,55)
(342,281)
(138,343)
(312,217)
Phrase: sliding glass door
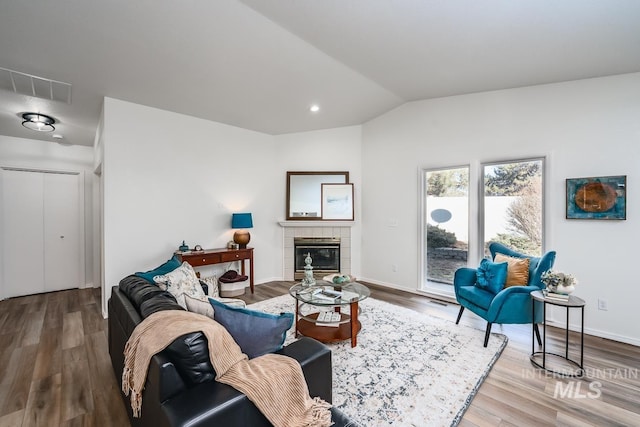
(446,227)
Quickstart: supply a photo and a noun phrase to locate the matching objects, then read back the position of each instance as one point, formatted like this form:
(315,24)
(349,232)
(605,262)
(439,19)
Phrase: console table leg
(251,268)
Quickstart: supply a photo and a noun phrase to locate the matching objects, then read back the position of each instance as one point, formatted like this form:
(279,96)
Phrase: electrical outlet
(394,268)
(602,304)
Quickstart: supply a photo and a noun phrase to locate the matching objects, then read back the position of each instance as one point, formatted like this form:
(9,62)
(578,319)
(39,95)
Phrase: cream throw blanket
(273,382)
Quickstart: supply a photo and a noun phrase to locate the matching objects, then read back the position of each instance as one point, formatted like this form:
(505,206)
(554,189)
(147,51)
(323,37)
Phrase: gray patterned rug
(408,369)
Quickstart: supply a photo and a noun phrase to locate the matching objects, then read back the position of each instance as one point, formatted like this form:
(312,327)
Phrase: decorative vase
(338,280)
(565,289)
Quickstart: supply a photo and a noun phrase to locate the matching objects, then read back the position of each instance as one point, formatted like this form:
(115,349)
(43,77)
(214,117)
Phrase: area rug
(408,369)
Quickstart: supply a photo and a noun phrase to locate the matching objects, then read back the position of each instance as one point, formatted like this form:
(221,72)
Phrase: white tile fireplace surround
(292,229)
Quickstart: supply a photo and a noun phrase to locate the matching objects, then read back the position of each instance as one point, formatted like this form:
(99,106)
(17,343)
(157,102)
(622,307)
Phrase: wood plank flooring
(54,362)
(55,368)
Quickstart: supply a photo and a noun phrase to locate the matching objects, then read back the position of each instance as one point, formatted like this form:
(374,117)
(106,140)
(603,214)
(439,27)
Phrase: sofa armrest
(163,379)
(315,360)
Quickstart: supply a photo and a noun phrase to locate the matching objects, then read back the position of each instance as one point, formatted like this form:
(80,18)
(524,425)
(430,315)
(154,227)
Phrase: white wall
(43,155)
(168,177)
(585,128)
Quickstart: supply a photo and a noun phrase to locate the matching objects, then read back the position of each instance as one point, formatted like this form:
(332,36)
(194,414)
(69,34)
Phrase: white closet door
(61,231)
(23,228)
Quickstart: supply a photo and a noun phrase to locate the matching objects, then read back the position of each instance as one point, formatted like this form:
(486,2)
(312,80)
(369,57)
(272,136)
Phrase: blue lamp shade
(241,221)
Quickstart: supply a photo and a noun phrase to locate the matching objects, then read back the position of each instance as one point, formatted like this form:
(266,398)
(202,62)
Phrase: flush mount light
(314,108)
(38,122)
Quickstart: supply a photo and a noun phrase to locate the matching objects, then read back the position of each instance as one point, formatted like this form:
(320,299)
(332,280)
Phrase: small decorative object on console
(183,247)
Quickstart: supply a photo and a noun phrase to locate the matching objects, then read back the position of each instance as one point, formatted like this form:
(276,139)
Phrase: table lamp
(241,221)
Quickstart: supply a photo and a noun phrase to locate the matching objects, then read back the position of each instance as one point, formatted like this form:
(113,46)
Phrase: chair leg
(537,331)
(486,335)
(459,314)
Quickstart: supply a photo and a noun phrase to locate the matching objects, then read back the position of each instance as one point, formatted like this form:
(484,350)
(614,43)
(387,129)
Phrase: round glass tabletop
(326,293)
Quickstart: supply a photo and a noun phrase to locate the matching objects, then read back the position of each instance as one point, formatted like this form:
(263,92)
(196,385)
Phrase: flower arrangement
(557,281)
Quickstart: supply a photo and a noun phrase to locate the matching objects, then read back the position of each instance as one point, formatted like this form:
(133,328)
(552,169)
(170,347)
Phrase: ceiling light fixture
(314,108)
(38,122)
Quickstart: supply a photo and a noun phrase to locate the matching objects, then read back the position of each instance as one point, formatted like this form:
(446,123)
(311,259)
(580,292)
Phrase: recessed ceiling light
(57,136)
(314,108)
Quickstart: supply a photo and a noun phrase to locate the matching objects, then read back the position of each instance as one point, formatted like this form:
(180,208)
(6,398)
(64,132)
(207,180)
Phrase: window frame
(476,211)
(481,200)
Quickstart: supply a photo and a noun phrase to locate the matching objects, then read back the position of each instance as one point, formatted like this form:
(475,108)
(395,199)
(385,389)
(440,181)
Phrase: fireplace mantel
(305,223)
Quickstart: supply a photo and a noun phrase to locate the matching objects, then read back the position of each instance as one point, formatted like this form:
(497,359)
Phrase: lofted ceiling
(260,64)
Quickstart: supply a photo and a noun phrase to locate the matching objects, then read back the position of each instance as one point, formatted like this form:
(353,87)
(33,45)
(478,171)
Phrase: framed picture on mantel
(337,202)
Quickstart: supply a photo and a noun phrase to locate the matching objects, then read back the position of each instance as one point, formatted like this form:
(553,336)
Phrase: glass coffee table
(316,304)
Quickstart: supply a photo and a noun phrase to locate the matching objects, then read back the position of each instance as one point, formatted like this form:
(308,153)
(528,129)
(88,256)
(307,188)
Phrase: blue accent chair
(510,305)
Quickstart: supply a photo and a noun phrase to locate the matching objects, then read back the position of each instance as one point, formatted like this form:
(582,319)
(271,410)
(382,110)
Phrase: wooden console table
(219,256)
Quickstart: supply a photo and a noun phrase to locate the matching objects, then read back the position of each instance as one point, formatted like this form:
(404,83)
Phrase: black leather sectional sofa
(180,388)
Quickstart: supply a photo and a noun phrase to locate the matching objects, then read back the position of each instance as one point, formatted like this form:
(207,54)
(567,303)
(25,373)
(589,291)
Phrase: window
(513,205)
(510,211)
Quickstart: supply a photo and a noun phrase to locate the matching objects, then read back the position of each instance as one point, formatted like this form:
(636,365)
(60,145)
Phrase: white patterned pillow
(181,281)
(212,283)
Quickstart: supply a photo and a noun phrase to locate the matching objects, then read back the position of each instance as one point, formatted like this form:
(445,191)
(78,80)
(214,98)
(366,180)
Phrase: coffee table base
(328,334)
(347,329)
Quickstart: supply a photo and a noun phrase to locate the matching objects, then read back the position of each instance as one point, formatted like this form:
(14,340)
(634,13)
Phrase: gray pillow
(256,332)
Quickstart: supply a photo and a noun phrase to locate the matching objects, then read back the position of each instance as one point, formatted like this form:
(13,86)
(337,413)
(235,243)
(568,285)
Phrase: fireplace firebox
(324,251)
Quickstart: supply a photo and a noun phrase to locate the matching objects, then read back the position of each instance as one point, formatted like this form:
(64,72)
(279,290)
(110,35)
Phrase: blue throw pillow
(491,276)
(256,333)
(165,268)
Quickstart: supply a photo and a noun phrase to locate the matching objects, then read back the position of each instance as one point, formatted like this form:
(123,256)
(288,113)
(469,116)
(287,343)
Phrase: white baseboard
(270,279)
(596,333)
(389,285)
